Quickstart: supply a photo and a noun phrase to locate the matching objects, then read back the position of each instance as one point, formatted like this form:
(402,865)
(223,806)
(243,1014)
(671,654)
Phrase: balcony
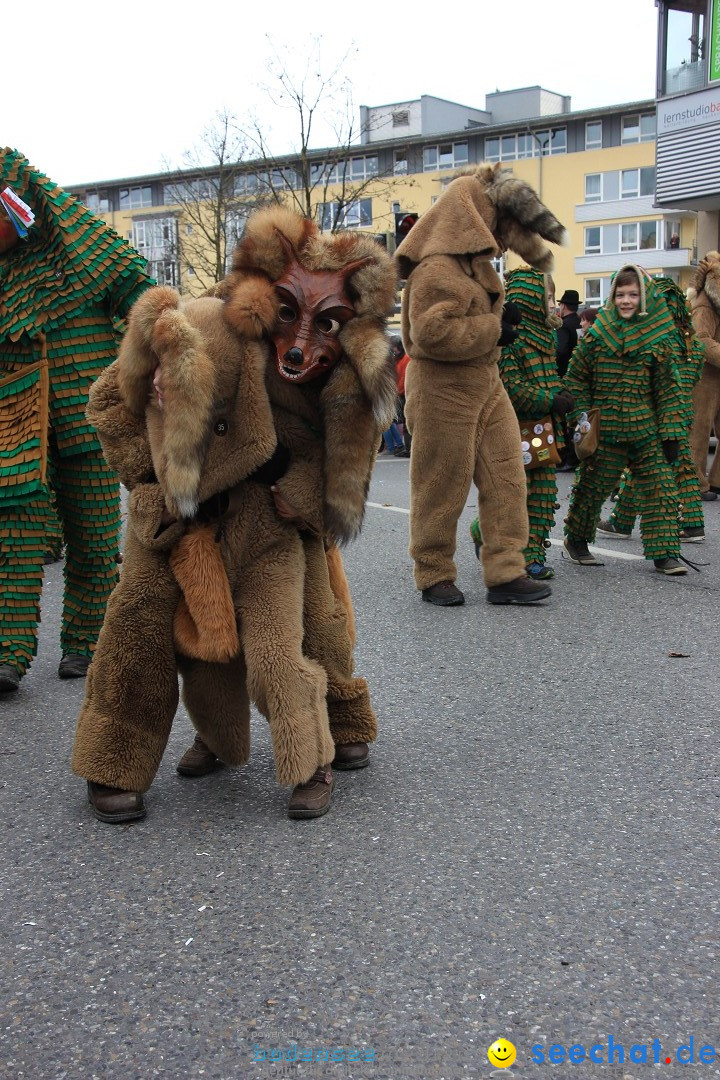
(655,259)
(619,209)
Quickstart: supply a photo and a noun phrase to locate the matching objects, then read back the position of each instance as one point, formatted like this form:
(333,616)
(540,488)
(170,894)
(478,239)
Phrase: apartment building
(595,169)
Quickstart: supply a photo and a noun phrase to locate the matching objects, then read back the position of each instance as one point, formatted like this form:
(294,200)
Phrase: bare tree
(328,184)
(210,190)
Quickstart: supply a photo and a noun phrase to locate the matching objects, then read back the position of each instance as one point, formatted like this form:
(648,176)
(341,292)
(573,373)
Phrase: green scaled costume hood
(69,258)
(650,330)
(528,289)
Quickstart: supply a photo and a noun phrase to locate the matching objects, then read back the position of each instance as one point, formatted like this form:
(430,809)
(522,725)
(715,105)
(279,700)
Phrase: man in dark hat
(567,338)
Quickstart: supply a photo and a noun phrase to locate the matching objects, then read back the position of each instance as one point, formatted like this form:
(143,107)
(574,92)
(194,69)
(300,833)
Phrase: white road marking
(611,554)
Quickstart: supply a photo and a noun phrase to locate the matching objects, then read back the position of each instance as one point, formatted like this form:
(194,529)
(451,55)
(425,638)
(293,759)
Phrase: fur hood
(483,211)
(707,279)
(260,259)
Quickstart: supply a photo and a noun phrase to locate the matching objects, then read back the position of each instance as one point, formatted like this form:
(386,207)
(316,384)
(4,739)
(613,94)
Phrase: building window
(353,215)
(401,118)
(492,149)
(648,235)
(592,240)
(671,231)
(135,198)
(508,147)
(638,128)
(639,236)
(445,156)
(98,202)
(156,241)
(685,45)
(400,165)
(186,191)
(637,182)
(593,291)
(629,237)
(593,135)
(593,187)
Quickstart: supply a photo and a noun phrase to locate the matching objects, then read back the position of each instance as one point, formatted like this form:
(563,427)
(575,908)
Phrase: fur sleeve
(440,323)
(122,434)
(705,324)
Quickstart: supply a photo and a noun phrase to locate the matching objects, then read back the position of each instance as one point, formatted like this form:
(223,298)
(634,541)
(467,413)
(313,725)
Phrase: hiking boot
(695,535)
(520,591)
(539,571)
(578,552)
(669,566)
(609,528)
(74,666)
(198,760)
(115,805)
(9,679)
(444,594)
(355,755)
(708,496)
(312,799)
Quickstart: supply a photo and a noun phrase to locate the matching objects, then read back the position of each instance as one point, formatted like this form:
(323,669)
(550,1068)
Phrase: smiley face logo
(502,1054)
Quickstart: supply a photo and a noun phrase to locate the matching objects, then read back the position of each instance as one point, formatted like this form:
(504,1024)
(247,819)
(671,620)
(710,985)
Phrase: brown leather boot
(198,760)
(115,805)
(312,799)
(354,755)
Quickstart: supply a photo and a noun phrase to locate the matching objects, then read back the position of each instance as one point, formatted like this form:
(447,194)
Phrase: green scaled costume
(690,359)
(63,292)
(529,373)
(627,368)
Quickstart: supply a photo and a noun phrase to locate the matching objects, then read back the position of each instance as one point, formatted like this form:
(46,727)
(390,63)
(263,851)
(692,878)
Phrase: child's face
(584,324)
(627,300)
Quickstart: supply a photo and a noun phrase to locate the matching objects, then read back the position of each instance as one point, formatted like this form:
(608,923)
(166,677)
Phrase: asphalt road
(532,854)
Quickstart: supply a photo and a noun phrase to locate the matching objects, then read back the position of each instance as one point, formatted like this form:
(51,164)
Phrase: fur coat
(457,409)
(230,594)
(704,297)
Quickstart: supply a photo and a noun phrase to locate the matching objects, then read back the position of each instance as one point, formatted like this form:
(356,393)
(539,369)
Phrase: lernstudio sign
(692,110)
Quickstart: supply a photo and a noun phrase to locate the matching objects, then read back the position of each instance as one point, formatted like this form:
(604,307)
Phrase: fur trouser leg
(706,415)
(131,691)
(23,542)
(541,498)
(327,640)
(288,688)
(88,501)
(216,699)
(502,492)
(455,440)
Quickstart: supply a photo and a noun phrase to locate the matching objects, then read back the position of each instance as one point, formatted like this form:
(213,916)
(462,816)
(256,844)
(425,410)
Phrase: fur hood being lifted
(483,211)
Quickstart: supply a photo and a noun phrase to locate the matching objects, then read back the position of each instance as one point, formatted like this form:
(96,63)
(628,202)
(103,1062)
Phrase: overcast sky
(93,91)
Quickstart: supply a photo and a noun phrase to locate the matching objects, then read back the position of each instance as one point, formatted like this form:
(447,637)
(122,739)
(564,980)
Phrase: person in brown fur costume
(463,425)
(704,297)
(275,396)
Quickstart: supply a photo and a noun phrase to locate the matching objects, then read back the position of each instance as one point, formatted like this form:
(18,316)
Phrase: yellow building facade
(594,169)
